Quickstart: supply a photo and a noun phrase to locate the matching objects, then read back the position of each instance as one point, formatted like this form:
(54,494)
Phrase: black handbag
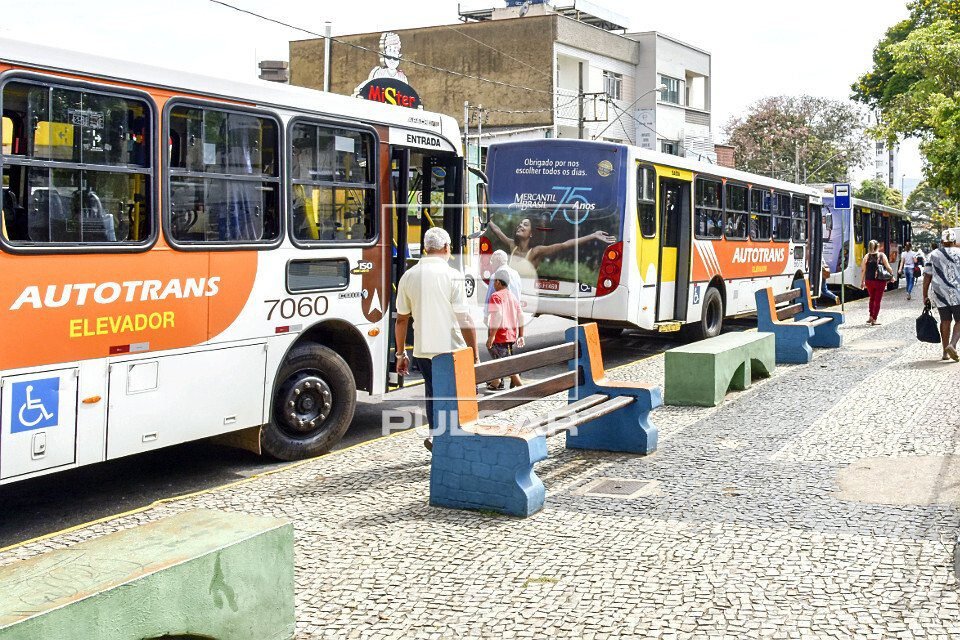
(927,328)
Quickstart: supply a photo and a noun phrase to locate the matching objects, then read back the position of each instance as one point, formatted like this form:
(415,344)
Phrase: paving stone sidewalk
(820,503)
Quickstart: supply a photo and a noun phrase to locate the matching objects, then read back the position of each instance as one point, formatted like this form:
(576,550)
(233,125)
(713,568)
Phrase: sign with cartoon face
(386,82)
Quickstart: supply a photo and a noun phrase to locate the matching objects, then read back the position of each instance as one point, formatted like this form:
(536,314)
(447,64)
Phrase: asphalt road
(44,505)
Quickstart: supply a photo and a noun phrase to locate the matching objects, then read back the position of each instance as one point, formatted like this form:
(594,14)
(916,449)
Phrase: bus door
(885,240)
(426,191)
(673,278)
(815,248)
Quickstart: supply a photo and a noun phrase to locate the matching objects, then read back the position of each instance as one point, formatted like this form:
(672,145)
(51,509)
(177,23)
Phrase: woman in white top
(908,262)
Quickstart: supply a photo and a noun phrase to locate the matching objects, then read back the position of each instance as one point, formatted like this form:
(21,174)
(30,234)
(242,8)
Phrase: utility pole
(327,47)
(796,161)
(580,110)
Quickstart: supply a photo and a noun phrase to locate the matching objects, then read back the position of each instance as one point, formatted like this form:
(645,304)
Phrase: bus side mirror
(483,200)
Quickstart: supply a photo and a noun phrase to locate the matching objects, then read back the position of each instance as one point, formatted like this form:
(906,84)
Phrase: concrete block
(701,373)
(202,574)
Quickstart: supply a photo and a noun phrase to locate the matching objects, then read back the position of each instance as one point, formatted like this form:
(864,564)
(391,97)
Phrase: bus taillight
(609,278)
(486,250)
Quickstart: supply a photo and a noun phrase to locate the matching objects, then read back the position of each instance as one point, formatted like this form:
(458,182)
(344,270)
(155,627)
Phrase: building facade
(559,70)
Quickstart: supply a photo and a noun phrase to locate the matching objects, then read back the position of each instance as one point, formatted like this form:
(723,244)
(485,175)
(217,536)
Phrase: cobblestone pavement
(741,533)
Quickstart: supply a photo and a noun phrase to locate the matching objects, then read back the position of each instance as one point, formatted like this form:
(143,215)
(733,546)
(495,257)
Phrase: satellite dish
(525,8)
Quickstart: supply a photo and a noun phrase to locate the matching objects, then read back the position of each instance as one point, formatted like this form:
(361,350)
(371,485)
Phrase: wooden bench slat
(814,321)
(528,393)
(568,410)
(792,294)
(609,406)
(789,311)
(510,365)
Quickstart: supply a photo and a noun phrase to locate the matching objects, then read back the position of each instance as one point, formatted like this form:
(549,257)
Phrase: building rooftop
(580,10)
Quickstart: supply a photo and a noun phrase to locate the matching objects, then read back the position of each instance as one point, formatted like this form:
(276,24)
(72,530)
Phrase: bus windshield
(555,207)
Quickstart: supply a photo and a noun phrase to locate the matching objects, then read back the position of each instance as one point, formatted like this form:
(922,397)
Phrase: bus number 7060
(303,307)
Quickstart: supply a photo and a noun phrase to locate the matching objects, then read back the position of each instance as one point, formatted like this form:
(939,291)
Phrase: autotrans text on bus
(110,292)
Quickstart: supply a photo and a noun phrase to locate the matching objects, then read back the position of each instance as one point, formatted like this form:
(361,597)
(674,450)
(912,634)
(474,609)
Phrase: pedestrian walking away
(504,325)
(941,287)
(875,272)
(825,293)
(908,267)
(433,295)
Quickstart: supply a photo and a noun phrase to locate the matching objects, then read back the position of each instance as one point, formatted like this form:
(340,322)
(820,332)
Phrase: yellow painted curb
(162,501)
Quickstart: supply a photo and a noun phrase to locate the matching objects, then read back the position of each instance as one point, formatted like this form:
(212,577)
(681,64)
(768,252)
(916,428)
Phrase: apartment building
(563,69)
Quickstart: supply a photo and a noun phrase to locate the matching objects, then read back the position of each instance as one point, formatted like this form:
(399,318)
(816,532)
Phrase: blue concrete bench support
(798,327)
(490,467)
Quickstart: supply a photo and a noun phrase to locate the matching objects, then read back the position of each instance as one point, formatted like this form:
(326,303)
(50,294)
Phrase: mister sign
(387,83)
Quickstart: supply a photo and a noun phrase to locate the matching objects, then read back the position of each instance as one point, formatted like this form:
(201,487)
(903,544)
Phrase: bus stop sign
(841,196)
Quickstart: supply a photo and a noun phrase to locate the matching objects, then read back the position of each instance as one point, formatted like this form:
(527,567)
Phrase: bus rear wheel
(313,404)
(711,320)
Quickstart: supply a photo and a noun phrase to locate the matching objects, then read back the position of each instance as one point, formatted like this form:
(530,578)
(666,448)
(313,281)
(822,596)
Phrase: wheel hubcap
(307,402)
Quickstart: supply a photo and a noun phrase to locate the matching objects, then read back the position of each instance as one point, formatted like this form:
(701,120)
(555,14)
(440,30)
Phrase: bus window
(736,212)
(646,201)
(80,172)
(709,209)
(333,191)
(759,214)
(799,210)
(876,228)
(781,217)
(858,225)
(224,181)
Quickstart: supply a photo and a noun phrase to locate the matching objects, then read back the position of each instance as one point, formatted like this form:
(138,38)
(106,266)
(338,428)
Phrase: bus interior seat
(14,217)
(95,223)
(46,216)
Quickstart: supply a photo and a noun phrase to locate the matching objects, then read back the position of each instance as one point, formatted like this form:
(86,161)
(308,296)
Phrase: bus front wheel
(711,319)
(313,404)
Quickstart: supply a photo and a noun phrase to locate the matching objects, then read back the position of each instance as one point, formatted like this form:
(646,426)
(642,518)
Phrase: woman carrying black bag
(875,272)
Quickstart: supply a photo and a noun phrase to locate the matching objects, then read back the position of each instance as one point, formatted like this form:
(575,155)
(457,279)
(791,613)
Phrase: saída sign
(389,91)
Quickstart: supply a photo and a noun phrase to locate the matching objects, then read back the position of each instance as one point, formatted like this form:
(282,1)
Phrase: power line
(700,156)
(506,55)
(375,52)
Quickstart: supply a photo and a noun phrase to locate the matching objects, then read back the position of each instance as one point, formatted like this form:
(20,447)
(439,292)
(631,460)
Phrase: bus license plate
(667,327)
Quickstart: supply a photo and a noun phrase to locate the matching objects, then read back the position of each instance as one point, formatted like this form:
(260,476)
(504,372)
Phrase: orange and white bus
(631,237)
(185,257)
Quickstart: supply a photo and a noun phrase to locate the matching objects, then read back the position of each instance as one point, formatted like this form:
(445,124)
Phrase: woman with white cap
(941,286)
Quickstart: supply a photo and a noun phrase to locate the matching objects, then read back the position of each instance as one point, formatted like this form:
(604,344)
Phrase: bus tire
(711,318)
(313,404)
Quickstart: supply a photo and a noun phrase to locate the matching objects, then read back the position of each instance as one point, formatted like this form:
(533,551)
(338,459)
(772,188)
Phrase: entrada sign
(387,83)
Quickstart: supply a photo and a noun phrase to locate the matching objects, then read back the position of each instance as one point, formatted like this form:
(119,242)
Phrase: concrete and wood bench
(198,574)
(701,373)
(478,465)
(798,327)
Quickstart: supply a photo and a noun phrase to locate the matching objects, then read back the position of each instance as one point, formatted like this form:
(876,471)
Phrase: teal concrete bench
(798,327)
(484,466)
(701,373)
(199,574)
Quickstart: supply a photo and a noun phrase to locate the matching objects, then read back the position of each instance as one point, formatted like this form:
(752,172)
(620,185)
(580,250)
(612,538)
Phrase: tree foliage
(915,84)
(778,134)
(878,191)
(934,207)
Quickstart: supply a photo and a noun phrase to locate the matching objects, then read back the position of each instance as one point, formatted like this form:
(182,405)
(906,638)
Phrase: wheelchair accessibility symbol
(35,404)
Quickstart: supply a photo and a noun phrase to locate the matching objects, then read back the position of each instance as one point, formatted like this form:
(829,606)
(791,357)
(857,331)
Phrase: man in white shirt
(433,294)
(498,261)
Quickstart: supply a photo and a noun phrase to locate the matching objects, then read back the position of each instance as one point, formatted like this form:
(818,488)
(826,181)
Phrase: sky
(759,47)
